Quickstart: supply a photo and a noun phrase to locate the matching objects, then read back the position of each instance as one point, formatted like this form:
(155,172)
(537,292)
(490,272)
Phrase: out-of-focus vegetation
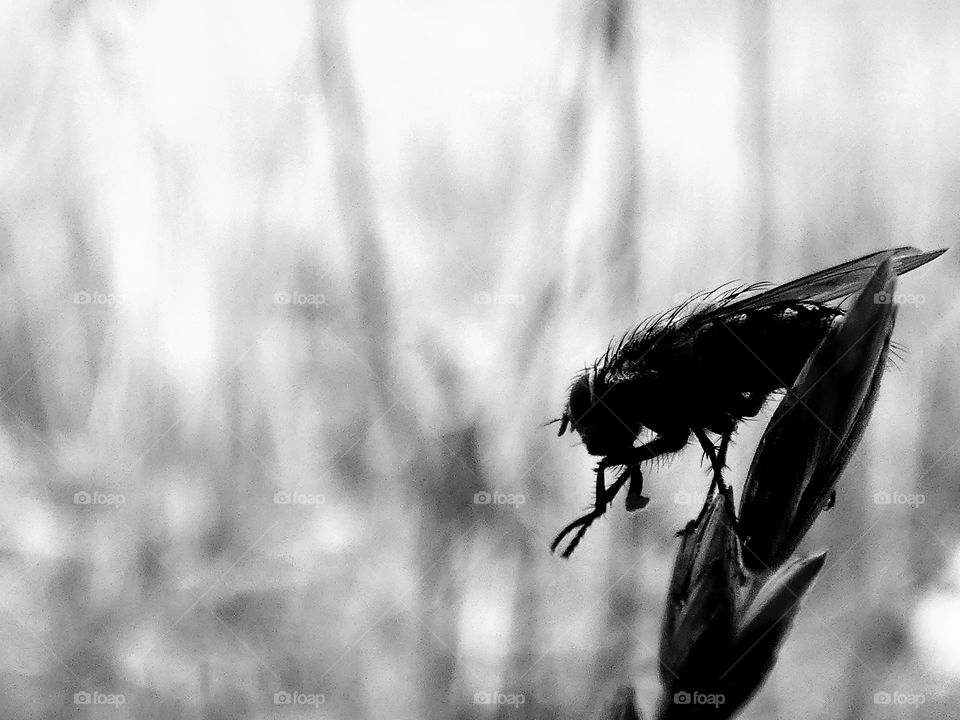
(352,253)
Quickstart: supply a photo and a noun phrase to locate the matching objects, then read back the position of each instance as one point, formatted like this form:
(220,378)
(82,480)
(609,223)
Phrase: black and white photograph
(475,359)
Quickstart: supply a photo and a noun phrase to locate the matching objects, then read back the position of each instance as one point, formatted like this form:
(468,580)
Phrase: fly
(700,369)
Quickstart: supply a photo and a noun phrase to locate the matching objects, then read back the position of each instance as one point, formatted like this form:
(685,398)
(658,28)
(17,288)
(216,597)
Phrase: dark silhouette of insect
(700,369)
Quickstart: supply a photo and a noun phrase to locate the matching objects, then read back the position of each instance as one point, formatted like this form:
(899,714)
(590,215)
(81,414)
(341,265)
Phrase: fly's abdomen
(777,341)
(743,358)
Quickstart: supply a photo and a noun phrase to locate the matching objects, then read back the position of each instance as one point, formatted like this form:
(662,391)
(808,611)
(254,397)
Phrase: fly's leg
(631,459)
(604,496)
(721,464)
(711,452)
(717,460)
(635,496)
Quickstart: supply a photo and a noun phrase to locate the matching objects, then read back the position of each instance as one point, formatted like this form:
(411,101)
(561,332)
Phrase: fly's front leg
(603,497)
(630,459)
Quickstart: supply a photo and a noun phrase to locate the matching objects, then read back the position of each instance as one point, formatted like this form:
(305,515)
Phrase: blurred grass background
(356,251)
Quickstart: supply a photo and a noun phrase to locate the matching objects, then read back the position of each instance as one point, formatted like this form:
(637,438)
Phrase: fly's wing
(830,284)
(682,324)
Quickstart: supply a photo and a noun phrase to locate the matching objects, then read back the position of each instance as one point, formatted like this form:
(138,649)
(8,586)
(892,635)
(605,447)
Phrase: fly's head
(590,411)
